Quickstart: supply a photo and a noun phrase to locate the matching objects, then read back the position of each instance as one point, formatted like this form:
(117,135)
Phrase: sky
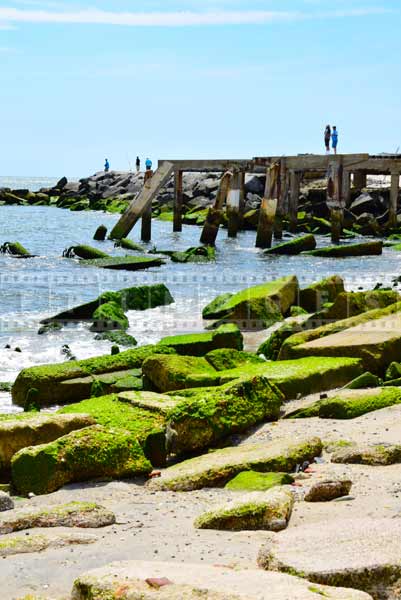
(82,80)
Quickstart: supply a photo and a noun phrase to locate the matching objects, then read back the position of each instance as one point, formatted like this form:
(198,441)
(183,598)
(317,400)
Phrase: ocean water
(32,289)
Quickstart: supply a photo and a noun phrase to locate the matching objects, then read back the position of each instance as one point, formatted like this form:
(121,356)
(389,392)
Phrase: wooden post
(281,202)
(177,224)
(335,199)
(233,204)
(395,186)
(346,188)
(268,207)
(295,181)
(213,219)
(241,198)
(360,179)
(146,223)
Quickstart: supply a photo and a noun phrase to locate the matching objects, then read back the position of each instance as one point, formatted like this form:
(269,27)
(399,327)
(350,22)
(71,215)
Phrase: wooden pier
(283,178)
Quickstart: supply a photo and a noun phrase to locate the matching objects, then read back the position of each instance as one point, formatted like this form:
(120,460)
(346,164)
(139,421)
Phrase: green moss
(295,246)
(393,371)
(316,295)
(174,372)
(272,346)
(198,344)
(89,453)
(109,316)
(253,481)
(366,380)
(200,254)
(229,358)
(14,248)
(117,337)
(350,304)
(129,245)
(166,216)
(350,406)
(85,252)
(296,311)
(47,378)
(363,249)
(128,263)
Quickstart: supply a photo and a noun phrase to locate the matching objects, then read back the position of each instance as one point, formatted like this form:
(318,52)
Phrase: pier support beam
(233,205)
(295,182)
(346,188)
(282,201)
(335,199)
(213,219)
(177,224)
(146,223)
(268,207)
(395,186)
(360,179)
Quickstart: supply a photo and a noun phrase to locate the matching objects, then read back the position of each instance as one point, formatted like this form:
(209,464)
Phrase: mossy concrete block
(372,454)
(393,371)
(269,511)
(134,412)
(252,481)
(349,404)
(175,372)
(90,453)
(314,296)
(259,306)
(366,380)
(85,252)
(211,414)
(124,263)
(151,401)
(288,349)
(129,245)
(15,249)
(216,468)
(16,434)
(73,514)
(374,248)
(11,545)
(327,490)
(117,337)
(272,346)
(200,254)
(199,344)
(377,346)
(226,358)
(47,378)
(109,316)
(201,582)
(295,246)
(351,304)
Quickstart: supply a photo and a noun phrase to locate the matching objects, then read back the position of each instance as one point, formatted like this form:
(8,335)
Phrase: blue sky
(188,79)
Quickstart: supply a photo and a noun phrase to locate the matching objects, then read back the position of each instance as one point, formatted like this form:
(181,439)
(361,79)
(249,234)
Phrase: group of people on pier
(148,164)
(331,135)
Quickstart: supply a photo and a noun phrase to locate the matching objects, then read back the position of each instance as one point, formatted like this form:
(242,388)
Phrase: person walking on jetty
(148,164)
(138,164)
(334,139)
(106,165)
(327,137)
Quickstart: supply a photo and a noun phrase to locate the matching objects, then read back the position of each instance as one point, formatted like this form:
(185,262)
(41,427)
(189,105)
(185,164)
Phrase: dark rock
(100,233)
(62,183)
(256,185)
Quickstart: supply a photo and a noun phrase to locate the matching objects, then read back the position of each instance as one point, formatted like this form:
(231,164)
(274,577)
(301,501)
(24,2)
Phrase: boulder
(216,468)
(256,307)
(6,502)
(363,249)
(199,344)
(255,184)
(295,246)
(326,490)
(349,404)
(252,481)
(195,581)
(356,553)
(269,510)
(47,379)
(90,453)
(100,233)
(29,429)
(365,203)
(124,263)
(369,454)
(313,297)
(73,514)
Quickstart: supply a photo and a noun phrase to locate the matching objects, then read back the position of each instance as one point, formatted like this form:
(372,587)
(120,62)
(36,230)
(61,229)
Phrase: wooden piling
(233,205)
(395,186)
(360,179)
(335,199)
(146,222)
(214,216)
(177,223)
(295,183)
(281,201)
(268,207)
(346,188)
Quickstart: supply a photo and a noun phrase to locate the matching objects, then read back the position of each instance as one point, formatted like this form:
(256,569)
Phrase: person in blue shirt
(334,139)
(106,165)
(148,164)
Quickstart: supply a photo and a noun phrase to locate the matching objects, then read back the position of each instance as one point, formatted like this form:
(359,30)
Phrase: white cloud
(94,16)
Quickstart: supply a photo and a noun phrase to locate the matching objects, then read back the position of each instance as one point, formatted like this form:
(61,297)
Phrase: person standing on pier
(106,165)
(327,137)
(138,164)
(334,139)
(148,164)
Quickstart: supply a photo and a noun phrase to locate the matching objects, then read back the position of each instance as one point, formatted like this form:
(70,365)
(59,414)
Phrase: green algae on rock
(198,344)
(349,404)
(124,263)
(128,245)
(371,454)
(145,425)
(175,372)
(84,252)
(351,304)
(295,246)
(82,455)
(200,254)
(313,297)
(17,433)
(261,305)
(73,514)
(252,481)
(47,379)
(272,346)
(15,249)
(229,358)
(366,380)
(117,337)
(109,316)
(373,248)
(216,468)
(393,371)
(269,511)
